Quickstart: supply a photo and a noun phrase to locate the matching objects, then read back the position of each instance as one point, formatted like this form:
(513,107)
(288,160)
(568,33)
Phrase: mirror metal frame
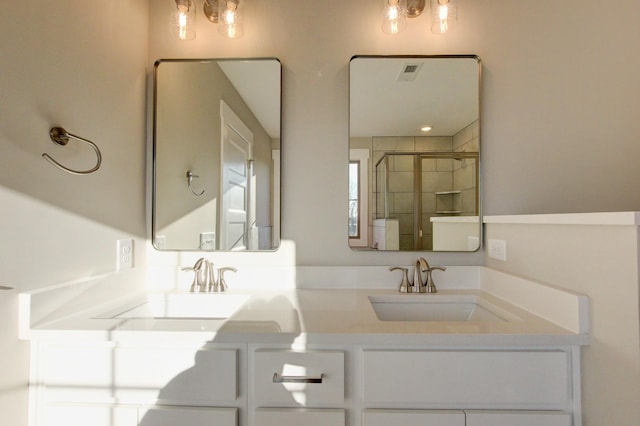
(479,163)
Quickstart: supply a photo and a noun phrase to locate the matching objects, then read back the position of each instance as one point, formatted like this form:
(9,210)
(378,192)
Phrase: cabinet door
(295,417)
(413,418)
(84,415)
(518,418)
(188,416)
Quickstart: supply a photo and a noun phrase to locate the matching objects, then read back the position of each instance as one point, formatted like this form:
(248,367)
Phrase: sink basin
(430,307)
(185,306)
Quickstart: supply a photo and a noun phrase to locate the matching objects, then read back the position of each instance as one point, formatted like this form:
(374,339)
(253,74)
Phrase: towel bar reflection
(61,137)
(190,177)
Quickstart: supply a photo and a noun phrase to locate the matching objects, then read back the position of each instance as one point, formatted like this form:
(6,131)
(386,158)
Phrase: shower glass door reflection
(413,188)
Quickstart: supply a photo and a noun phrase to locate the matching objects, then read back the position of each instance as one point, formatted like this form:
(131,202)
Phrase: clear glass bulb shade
(444,15)
(394,16)
(230,22)
(183,19)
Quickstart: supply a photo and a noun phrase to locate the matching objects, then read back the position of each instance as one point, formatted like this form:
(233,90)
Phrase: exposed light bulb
(394,16)
(443,15)
(183,20)
(230,21)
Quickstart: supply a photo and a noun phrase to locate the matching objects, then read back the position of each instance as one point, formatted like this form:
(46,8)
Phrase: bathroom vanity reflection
(414,147)
(216,154)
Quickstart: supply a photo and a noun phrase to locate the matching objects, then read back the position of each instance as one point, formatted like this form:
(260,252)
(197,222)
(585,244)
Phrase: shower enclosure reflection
(419,190)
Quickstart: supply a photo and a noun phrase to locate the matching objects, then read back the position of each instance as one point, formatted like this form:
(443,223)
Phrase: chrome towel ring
(61,137)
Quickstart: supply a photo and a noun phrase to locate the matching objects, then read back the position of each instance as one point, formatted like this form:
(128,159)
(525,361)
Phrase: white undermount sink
(436,307)
(184,306)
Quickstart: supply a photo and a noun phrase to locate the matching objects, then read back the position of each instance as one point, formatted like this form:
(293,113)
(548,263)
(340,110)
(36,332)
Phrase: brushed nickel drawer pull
(277,378)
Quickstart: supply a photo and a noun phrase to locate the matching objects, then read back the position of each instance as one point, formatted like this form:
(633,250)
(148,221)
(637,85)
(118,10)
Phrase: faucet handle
(430,286)
(194,283)
(405,285)
(222,283)
(196,268)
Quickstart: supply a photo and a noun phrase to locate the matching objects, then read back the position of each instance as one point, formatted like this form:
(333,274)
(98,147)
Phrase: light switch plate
(498,249)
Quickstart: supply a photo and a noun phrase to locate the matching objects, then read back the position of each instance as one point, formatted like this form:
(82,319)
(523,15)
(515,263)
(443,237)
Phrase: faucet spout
(418,284)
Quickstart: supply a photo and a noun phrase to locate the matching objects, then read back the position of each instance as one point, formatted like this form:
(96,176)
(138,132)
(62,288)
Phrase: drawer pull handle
(277,378)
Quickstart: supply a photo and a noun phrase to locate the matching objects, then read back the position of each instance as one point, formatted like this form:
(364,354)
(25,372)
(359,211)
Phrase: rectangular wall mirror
(216,154)
(414,153)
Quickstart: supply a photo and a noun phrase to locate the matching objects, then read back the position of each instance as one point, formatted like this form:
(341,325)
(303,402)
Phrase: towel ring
(61,137)
(190,177)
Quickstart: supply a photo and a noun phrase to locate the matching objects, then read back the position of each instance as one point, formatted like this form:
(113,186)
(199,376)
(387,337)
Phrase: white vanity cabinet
(129,384)
(250,384)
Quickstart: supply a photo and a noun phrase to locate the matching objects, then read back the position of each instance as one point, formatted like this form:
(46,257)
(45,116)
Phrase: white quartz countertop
(321,316)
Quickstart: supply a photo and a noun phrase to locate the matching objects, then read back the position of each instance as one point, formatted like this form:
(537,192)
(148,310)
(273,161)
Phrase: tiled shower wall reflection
(465,172)
(438,175)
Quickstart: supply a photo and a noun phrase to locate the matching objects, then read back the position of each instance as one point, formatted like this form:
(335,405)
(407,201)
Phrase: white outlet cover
(124,254)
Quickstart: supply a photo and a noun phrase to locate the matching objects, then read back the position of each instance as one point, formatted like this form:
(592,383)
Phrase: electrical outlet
(124,254)
(498,249)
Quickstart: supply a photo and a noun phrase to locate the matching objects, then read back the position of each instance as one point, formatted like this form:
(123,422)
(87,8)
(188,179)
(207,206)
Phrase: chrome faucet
(204,279)
(419,285)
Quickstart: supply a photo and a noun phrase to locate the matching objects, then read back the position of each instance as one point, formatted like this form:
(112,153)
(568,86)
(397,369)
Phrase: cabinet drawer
(467,377)
(413,418)
(181,375)
(285,378)
(306,417)
(520,418)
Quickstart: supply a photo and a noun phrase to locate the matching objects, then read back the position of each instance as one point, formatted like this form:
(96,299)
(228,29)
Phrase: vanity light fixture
(183,20)
(425,129)
(444,14)
(227,14)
